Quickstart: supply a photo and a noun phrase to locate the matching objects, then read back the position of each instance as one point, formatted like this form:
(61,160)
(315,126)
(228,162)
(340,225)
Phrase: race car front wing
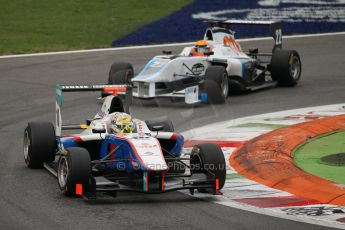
(143,182)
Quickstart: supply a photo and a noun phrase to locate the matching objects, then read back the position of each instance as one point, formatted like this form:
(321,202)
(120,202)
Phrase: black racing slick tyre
(39,144)
(216,84)
(286,67)
(120,73)
(74,167)
(165,122)
(208,158)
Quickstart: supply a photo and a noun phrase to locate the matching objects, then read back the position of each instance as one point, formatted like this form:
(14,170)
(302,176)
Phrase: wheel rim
(295,67)
(26,146)
(225,85)
(63,171)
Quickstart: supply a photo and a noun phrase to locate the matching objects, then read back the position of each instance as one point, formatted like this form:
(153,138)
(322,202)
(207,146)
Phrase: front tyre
(209,159)
(286,67)
(216,84)
(74,167)
(39,144)
(120,73)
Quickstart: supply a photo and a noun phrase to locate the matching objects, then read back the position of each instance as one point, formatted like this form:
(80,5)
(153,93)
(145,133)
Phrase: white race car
(216,65)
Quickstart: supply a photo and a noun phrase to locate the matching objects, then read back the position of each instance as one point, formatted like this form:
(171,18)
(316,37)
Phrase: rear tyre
(120,73)
(286,67)
(39,144)
(74,168)
(209,159)
(216,84)
(165,122)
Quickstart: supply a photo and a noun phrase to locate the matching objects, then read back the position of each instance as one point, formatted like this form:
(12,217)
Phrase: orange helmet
(201,47)
(201,43)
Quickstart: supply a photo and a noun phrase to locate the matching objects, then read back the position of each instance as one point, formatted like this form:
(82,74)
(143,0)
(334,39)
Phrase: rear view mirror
(157,128)
(99,128)
(167,52)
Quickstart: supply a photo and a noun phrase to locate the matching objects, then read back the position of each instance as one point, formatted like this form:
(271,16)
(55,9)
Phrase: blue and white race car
(216,65)
(116,152)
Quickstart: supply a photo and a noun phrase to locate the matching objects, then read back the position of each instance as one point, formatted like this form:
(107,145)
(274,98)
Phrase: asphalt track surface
(29,199)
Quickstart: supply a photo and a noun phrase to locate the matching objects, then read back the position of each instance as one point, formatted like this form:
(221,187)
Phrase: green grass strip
(261,125)
(52,25)
(307,156)
(233,176)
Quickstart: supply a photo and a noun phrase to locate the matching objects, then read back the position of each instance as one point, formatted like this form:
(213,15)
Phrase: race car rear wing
(274,26)
(115,89)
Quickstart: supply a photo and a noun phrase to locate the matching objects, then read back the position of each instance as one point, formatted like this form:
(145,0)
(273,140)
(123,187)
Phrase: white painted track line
(159,46)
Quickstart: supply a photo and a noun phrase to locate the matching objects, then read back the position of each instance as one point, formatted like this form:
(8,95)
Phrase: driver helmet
(121,123)
(201,47)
